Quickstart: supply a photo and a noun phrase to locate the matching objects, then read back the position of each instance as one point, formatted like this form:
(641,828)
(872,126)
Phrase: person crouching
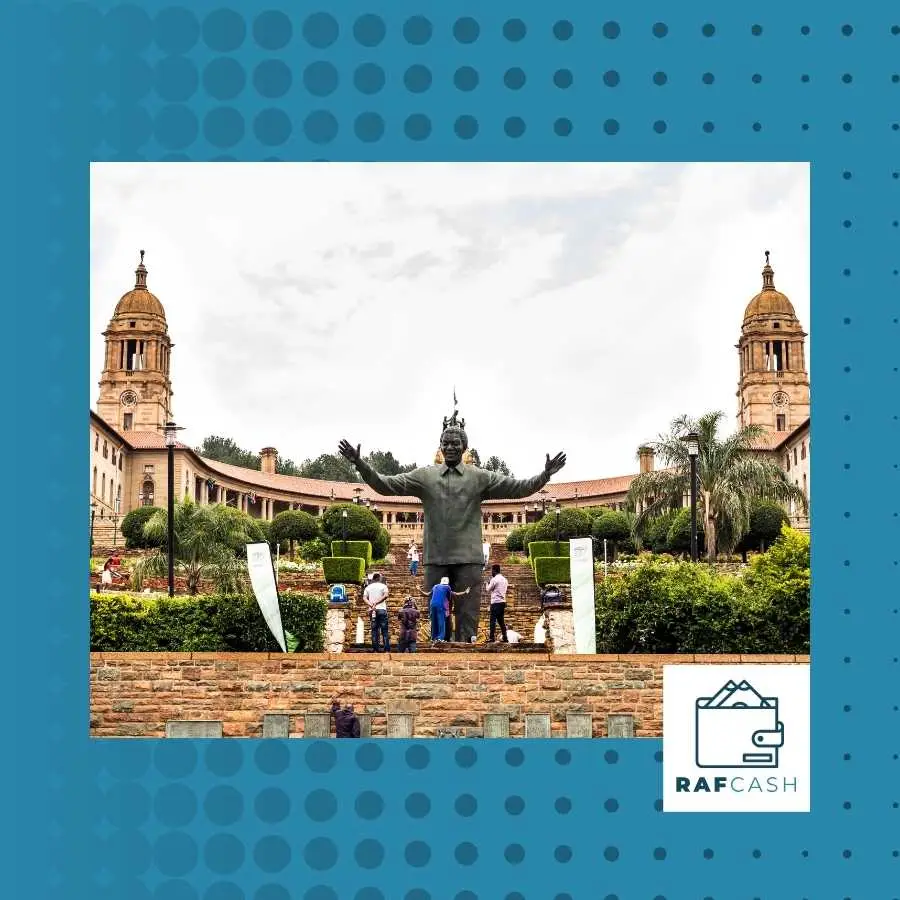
(409,624)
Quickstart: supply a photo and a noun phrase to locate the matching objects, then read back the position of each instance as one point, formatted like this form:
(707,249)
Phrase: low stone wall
(136,694)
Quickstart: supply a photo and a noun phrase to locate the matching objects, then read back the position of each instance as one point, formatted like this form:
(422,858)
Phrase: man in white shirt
(497,588)
(375,597)
(413,556)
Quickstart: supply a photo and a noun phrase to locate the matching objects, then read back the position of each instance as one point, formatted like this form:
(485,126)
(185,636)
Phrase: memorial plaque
(317,725)
(496,725)
(537,726)
(276,725)
(365,725)
(189,729)
(400,725)
(620,726)
(579,725)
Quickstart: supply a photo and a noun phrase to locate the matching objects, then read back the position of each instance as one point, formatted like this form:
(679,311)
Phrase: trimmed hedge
(382,544)
(538,549)
(362,549)
(205,623)
(362,525)
(552,570)
(344,569)
(514,540)
(573,523)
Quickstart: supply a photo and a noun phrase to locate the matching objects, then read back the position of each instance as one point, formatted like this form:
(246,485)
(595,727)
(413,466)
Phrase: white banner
(581,568)
(265,589)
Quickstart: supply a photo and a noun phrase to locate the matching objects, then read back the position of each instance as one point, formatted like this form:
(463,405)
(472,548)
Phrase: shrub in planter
(344,569)
(362,549)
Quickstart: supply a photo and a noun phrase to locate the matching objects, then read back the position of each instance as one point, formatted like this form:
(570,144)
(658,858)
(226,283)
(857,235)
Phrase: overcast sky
(573,307)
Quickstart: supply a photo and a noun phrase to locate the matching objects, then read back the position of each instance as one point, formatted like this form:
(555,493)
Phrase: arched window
(147,492)
(94,483)
(103,487)
(804,488)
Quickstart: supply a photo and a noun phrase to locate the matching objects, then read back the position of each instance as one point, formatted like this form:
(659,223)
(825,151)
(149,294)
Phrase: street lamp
(170,431)
(692,441)
(116,520)
(543,493)
(553,500)
(93,513)
(356,491)
(344,522)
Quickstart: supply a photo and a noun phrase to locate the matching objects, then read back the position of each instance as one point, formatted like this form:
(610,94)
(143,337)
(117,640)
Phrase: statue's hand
(552,466)
(348,451)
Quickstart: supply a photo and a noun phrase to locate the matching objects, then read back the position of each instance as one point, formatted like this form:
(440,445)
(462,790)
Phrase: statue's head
(454,442)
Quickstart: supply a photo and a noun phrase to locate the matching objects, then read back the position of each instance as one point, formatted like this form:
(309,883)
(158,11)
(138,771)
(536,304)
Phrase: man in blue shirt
(439,606)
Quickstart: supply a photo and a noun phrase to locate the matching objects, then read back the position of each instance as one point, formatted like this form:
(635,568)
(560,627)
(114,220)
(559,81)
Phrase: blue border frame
(138,819)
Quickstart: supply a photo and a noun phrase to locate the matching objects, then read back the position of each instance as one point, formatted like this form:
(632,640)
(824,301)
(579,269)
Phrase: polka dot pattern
(245,820)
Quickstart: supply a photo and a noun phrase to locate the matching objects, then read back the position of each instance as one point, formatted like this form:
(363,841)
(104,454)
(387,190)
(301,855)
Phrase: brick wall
(135,694)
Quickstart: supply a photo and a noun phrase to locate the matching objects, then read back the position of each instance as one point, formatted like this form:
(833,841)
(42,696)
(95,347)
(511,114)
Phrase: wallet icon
(738,728)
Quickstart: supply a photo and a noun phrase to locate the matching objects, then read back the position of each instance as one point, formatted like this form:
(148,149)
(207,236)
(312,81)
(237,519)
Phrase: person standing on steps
(413,556)
(409,626)
(497,588)
(451,493)
(438,604)
(375,596)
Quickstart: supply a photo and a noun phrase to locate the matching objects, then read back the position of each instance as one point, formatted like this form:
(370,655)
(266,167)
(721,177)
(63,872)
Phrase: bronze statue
(451,494)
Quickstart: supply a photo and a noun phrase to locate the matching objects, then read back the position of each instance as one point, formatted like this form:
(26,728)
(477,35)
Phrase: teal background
(238,820)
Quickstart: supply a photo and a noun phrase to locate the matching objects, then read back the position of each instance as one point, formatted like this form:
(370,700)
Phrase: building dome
(139,301)
(769,302)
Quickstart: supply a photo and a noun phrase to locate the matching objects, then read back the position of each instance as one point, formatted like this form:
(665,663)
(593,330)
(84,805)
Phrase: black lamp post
(553,500)
(344,522)
(692,441)
(543,494)
(170,430)
(93,513)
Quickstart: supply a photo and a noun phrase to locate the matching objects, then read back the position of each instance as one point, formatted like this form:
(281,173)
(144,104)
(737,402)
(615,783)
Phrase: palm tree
(730,476)
(207,542)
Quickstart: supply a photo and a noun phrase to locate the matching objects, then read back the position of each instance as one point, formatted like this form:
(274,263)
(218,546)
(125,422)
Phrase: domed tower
(135,388)
(773,390)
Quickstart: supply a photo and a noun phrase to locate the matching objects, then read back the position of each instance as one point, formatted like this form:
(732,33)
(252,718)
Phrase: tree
(385,463)
(207,542)
(730,476)
(362,525)
(495,464)
(133,526)
(612,526)
(475,457)
(294,525)
(328,467)
(766,520)
(573,523)
(678,539)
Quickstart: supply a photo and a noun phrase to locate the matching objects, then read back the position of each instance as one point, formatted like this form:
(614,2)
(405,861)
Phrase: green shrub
(528,536)
(344,569)
(294,525)
(362,525)
(660,607)
(362,549)
(133,527)
(780,577)
(382,544)
(656,531)
(573,523)
(613,527)
(552,570)
(766,521)
(207,622)
(678,538)
(514,541)
(313,551)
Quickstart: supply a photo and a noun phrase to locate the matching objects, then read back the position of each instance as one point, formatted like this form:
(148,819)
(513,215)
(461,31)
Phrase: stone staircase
(523,600)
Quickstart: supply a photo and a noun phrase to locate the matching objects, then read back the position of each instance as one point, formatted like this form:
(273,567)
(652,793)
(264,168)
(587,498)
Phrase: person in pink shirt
(497,588)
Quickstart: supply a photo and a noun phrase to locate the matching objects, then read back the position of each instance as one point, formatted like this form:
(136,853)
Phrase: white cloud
(575,307)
